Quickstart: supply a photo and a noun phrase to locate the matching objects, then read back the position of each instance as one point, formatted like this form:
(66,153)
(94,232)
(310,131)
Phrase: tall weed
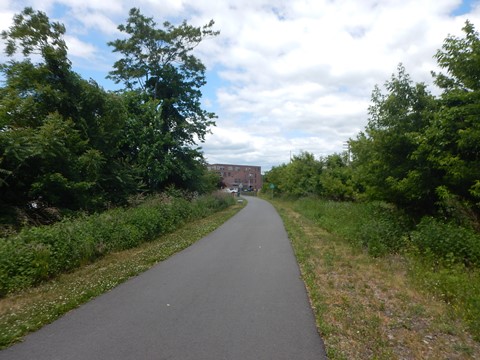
(39,253)
(444,257)
(452,282)
(377,227)
(447,241)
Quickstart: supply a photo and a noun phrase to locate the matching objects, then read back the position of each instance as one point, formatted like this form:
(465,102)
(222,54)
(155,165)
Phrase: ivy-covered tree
(166,118)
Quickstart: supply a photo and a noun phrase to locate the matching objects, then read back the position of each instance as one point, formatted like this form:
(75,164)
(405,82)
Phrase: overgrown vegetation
(67,144)
(379,307)
(39,253)
(441,257)
(375,226)
(409,183)
(30,309)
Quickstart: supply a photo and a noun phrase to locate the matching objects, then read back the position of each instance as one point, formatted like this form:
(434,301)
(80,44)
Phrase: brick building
(234,175)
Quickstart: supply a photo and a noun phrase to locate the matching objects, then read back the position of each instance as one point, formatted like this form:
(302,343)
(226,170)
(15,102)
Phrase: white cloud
(313,71)
(80,49)
(295,74)
(88,21)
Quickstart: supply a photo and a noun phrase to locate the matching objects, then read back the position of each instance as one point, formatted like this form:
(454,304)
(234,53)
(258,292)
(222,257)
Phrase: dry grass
(367,308)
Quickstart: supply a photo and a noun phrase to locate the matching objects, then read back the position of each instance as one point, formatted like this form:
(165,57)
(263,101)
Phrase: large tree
(59,134)
(385,157)
(421,152)
(453,140)
(166,117)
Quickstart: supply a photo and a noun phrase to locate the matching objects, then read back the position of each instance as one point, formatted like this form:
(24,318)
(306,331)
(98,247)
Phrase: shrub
(39,253)
(383,230)
(376,226)
(447,241)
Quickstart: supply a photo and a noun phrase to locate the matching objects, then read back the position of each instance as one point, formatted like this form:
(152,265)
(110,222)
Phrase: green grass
(37,254)
(392,305)
(443,257)
(453,283)
(376,226)
(32,308)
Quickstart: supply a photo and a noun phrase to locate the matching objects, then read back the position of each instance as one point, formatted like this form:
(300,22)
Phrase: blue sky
(464,8)
(284,76)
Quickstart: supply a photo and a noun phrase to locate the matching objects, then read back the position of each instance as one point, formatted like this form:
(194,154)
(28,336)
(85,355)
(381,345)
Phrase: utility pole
(346,148)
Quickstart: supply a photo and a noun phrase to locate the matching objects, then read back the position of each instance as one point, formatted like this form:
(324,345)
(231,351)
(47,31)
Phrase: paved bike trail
(235,294)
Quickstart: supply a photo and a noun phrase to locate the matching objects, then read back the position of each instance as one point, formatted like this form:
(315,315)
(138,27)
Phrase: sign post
(272,186)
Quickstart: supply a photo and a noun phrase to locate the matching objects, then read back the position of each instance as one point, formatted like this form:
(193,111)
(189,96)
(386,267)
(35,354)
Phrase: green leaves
(162,81)
(456,129)
(36,254)
(34,34)
(386,159)
(415,146)
(74,145)
(460,57)
(150,53)
(60,135)
(328,177)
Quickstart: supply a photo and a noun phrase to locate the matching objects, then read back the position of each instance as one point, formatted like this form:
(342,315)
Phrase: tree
(300,177)
(386,160)
(336,178)
(59,134)
(166,117)
(274,176)
(453,140)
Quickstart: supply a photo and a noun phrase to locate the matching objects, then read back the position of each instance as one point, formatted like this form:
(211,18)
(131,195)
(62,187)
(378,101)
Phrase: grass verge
(366,307)
(30,309)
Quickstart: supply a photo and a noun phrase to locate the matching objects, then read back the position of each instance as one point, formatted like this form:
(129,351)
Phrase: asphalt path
(235,294)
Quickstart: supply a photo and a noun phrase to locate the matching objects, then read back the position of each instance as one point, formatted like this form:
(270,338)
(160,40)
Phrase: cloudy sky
(284,76)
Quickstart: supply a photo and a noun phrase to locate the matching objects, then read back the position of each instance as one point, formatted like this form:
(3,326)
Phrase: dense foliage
(39,253)
(442,258)
(329,177)
(67,143)
(162,81)
(419,152)
(416,165)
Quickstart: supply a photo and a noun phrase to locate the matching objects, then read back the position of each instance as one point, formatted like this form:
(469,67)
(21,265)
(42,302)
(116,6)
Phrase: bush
(447,241)
(377,226)
(383,230)
(39,253)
